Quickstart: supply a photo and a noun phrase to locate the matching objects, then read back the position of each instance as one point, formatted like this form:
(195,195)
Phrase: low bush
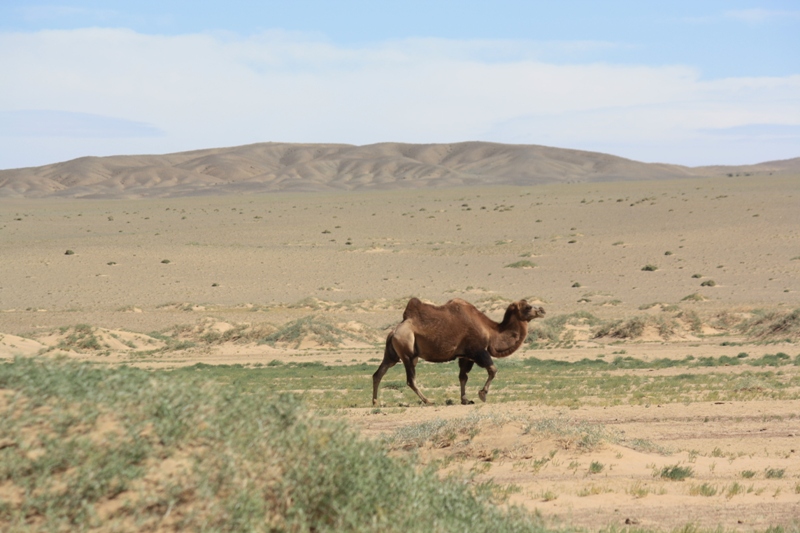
(237,461)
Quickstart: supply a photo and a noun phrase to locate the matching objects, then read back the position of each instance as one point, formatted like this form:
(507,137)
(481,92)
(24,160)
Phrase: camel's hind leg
(390,359)
(403,342)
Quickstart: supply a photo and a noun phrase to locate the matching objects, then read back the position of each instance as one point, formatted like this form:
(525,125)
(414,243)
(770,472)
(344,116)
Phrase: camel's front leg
(492,371)
(484,360)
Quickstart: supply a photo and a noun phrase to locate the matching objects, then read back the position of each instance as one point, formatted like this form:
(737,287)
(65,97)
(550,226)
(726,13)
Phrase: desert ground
(163,283)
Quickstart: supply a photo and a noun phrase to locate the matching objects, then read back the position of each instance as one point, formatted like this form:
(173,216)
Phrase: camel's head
(525,311)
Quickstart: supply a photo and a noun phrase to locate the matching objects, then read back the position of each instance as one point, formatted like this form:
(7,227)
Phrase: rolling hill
(267,167)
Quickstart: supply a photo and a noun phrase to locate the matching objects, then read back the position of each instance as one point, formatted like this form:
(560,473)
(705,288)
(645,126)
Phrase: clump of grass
(439,433)
(549,495)
(734,489)
(703,490)
(748,474)
(242,461)
(649,268)
(521,264)
(694,297)
(596,467)
(639,490)
(571,434)
(591,490)
(676,472)
(708,283)
(774,473)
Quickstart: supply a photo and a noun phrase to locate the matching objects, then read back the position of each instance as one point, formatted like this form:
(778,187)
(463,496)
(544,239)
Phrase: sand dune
(329,167)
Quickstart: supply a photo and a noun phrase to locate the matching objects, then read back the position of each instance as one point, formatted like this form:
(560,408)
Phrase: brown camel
(455,330)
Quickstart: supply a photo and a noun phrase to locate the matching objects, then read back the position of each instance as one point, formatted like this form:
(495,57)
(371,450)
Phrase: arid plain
(690,261)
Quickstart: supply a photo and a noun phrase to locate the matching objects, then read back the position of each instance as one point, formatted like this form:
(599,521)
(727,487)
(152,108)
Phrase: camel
(455,330)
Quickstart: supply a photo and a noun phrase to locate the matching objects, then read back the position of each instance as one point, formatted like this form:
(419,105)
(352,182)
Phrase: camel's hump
(416,308)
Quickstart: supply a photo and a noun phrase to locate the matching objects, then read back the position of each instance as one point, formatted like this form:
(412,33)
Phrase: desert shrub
(694,297)
(623,329)
(703,490)
(252,461)
(676,472)
(596,467)
(649,268)
(774,473)
(708,283)
(313,327)
(772,325)
(241,333)
(550,329)
(521,264)
(692,319)
(571,434)
(81,337)
(439,433)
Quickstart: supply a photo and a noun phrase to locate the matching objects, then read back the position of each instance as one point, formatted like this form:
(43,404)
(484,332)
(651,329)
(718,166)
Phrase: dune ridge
(269,167)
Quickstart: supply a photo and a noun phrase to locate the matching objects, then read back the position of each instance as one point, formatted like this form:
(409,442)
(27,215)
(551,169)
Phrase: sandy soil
(212,264)
(718,441)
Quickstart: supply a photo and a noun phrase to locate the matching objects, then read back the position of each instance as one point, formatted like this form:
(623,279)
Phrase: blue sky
(702,82)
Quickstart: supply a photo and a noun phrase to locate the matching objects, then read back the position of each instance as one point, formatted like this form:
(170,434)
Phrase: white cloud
(758,15)
(204,90)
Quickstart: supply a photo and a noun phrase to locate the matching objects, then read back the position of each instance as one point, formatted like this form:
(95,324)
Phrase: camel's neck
(510,336)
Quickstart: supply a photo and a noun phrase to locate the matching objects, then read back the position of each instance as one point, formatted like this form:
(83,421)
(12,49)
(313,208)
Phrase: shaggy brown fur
(455,330)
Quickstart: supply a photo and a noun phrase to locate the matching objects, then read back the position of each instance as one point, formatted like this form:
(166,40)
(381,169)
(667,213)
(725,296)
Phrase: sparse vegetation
(774,473)
(175,451)
(650,268)
(596,467)
(676,472)
(694,297)
(521,264)
(773,325)
(705,489)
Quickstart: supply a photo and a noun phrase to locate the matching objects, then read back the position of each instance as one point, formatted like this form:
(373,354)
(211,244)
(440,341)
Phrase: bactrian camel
(455,330)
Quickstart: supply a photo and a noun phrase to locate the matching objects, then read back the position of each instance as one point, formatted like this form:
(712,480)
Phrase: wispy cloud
(203,90)
(47,12)
(758,15)
(50,123)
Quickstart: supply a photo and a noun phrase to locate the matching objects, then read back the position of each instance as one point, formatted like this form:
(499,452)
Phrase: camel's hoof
(464,401)
(482,395)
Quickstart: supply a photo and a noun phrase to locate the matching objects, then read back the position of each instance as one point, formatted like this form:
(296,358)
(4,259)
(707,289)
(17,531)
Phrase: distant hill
(268,167)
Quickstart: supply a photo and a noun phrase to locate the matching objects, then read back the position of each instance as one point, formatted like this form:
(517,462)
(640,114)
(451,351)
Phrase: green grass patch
(79,436)
(521,264)
(676,472)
